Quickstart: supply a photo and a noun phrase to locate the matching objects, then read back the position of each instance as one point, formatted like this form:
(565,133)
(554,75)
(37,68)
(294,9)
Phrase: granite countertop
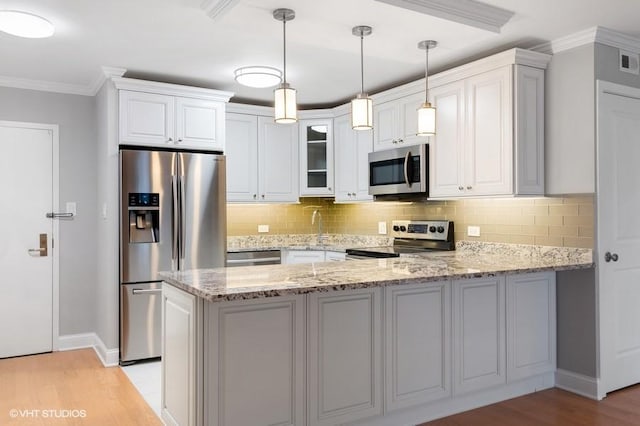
(329,242)
(470,260)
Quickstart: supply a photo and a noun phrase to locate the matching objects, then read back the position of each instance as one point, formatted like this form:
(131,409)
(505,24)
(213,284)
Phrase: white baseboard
(577,383)
(108,357)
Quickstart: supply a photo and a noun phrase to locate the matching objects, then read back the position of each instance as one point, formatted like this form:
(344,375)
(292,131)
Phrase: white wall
(78,237)
(607,68)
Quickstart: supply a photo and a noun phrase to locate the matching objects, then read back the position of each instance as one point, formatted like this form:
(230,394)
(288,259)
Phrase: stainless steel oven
(399,173)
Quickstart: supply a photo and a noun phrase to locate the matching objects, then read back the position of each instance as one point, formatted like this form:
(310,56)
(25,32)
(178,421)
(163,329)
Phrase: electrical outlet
(382,228)
(263,229)
(473,231)
(71,207)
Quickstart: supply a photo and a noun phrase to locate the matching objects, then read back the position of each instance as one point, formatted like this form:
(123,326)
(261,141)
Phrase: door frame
(55,252)
(603,87)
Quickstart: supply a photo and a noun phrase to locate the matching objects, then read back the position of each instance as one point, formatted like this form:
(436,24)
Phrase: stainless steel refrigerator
(173,217)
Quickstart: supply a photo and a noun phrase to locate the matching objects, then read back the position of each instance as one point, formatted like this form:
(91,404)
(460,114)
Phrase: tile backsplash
(554,221)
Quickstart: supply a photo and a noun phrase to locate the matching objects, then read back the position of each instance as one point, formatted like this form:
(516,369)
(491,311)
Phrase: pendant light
(284,95)
(362,105)
(426,112)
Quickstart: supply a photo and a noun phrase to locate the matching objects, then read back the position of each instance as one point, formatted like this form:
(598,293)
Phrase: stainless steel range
(411,237)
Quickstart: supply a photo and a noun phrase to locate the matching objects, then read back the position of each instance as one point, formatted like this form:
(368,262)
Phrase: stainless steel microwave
(399,173)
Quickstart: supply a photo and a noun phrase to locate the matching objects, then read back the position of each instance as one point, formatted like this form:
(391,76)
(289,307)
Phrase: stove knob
(441,229)
(432,229)
(403,228)
(396,228)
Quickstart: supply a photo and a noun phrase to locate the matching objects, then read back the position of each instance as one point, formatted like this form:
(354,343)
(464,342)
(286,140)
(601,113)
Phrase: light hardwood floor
(73,380)
(554,407)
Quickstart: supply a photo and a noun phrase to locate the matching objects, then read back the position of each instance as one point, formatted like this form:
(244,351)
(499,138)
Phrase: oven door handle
(406,169)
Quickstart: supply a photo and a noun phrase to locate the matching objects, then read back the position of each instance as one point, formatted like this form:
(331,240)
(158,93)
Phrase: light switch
(382,228)
(473,231)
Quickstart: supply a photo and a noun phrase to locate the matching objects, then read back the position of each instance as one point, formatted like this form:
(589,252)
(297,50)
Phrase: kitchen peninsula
(373,341)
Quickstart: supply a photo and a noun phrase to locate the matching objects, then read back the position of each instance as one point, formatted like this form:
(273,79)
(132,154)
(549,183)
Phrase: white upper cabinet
(352,148)
(262,159)
(490,135)
(395,123)
(242,157)
(169,115)
(316,157)
(278,162)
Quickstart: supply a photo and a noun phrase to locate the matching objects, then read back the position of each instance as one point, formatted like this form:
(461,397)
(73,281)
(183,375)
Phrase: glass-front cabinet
(316,157)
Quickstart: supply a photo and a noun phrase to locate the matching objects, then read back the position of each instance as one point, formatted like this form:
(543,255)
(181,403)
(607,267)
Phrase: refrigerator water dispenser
(144,218)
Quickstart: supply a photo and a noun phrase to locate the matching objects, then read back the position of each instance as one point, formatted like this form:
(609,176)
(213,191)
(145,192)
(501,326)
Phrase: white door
(26,288)
(618,233)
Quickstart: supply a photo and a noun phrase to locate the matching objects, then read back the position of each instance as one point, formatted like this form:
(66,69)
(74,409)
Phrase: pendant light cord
(284,49)
(426,75)
(361,62)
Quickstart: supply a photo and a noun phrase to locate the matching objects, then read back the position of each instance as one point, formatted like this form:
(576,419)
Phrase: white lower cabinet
(254,362)
(181,399)
(344,355)
(531,325)
(418,345)
(478,334)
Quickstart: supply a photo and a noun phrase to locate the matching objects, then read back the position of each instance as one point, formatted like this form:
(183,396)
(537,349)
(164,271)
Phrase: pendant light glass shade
(426,112)
(362,105)
(426,120)
(362,112)
(285,104)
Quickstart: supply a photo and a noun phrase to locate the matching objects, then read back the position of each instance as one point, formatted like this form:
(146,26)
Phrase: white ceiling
(175,41)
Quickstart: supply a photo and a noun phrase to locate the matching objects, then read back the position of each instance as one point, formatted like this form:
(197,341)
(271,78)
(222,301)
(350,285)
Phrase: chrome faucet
(321,238)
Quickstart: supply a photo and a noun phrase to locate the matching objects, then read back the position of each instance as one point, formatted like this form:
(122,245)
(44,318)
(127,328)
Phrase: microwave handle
(406,168)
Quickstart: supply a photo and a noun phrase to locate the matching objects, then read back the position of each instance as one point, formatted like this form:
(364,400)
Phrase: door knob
(608,257)
(42,251)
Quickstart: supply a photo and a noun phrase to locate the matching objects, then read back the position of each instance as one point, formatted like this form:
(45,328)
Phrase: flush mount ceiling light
(285,96)
(25,24)
(467,12)
(426,113)
(258,76)
(362,105)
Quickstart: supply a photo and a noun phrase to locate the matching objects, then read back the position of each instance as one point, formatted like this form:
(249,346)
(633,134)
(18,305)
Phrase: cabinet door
(489,148)
(181,359)
(344,370)
(278,161)
(446,150)
(478,334)
(303,256)
(146,118)
(409,120)
(352,148)
(242,157)
(417,335)
(531,324)
(316,157)
(200,124)
(255,362)
(386,125)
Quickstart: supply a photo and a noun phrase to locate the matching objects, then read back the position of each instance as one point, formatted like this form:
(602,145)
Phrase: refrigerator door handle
(175,218)
(183,222)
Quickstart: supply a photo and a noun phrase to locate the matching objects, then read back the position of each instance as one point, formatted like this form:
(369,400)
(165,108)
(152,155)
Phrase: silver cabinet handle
(400,140)
(394,141)
(608,257)
(146,290)
(262,196)
(468,187)
(179,140)
(461,188)
(255,196)
(406,168)
(329,188)
(169,140)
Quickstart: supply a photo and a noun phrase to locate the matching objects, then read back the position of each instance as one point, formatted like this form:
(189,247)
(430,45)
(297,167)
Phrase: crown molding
(217,8)
(249,109)
(170,89)
(592,35)
(467,12)
(105,74)
(45,86)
